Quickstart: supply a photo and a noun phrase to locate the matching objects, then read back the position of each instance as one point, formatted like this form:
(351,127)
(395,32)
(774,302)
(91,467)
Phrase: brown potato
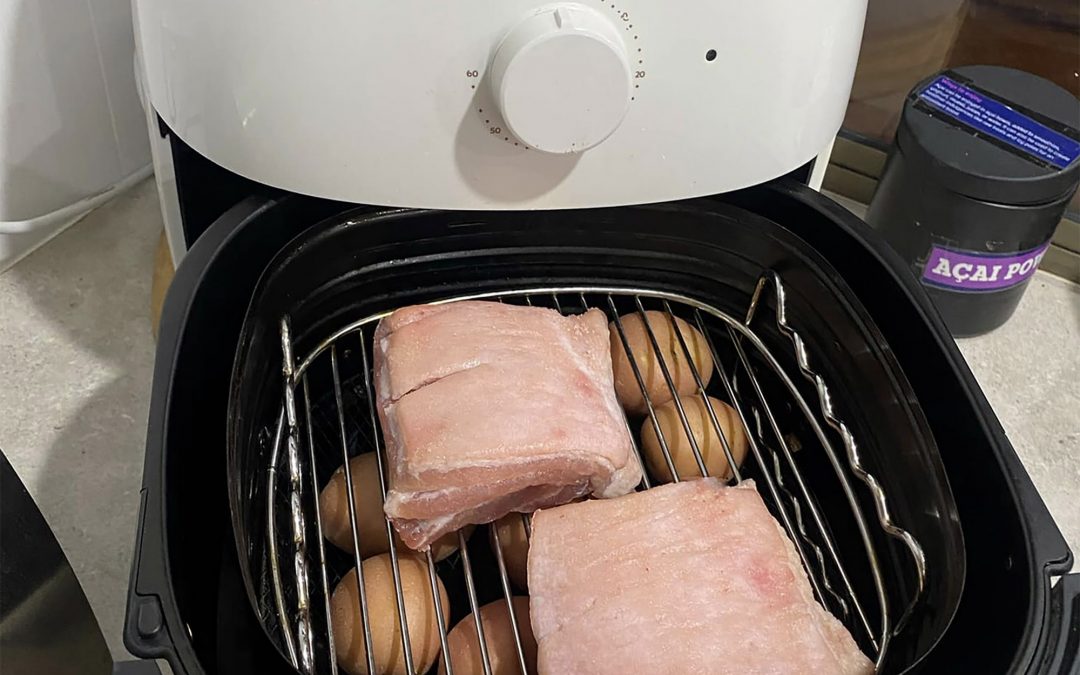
(515,547)
(498,636)
(626,385)
(709,444)
(386,646)
(370,521)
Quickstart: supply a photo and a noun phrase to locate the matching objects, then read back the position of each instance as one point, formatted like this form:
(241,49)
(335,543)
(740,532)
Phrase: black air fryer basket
(205,596)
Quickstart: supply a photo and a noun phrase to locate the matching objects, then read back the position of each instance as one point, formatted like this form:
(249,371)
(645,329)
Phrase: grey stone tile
(75,368)
(1030,371)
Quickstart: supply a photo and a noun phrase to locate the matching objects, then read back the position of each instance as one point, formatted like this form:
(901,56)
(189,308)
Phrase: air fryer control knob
(562,79)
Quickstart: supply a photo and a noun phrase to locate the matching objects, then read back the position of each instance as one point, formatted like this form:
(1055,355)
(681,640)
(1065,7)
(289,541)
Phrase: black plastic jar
(984,163)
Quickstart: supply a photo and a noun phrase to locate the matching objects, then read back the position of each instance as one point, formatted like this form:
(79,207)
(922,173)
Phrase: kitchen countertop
(76,358)
(1029,370)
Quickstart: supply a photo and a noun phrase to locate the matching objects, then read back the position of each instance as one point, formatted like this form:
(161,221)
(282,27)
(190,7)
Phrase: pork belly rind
(489,408)
(693,577)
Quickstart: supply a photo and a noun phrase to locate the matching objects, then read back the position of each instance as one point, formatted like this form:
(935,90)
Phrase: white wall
(72,131)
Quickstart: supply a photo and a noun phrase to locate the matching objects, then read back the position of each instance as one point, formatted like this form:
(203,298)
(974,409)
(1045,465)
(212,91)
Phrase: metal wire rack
(317,431)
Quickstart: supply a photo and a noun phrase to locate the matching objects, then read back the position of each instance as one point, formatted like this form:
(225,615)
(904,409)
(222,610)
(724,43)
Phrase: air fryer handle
(146,632)
(1061,629)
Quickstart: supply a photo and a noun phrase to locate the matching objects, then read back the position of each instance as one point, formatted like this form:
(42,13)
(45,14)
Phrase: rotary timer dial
(562,79)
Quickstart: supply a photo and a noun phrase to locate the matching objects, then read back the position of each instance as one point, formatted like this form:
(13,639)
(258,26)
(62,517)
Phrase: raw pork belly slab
(489,408)
(692,577)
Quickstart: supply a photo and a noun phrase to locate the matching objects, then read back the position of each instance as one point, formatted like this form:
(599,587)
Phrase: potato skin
(499,636)
(383,617)
(515,546)
(626,385)
(709,444)
(370,520)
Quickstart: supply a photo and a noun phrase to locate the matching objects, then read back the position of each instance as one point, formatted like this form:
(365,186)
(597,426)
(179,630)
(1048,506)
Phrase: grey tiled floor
(75,367)
(75,361)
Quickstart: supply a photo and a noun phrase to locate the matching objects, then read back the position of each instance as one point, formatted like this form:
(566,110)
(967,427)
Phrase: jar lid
(994,134)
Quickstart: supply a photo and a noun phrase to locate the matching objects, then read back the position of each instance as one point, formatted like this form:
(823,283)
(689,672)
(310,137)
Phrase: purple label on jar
(970,271)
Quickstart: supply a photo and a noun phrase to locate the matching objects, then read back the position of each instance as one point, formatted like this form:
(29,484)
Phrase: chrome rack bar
(403,623)
(351,499)
(775,459)
(470,587)
(881,504)
(304,637)
(318,524)
(271,542)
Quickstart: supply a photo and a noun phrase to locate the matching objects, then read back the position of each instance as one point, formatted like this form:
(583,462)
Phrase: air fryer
(321,166)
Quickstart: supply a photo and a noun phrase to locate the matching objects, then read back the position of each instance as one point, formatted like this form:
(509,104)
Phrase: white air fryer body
(502,105)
